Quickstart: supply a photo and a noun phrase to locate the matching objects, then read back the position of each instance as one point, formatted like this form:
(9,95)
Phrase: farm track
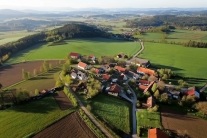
(72,126)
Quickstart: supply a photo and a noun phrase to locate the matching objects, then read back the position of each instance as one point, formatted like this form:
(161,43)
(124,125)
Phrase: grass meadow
(177,36)
(96,46)
(113,111)
(30,118)
(10,36)
(187,61)
(40,82)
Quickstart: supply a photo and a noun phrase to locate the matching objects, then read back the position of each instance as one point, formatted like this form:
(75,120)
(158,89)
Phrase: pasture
(177,36)
(11,36)
(186,61)
(30,118)
(112,111)
(96,46)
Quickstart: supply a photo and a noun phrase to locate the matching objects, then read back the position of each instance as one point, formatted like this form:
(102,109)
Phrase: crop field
(151,119)
(96,46)
(177,36)
(190,62)
(12,74)
(30,118)
(10,36)
(113,111)
(71,126)
(183,124)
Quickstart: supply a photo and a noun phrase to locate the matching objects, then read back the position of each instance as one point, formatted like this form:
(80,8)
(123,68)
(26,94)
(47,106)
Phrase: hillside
(69,31)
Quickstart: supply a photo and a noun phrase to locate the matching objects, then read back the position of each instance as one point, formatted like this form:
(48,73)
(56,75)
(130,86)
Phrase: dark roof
(74,54)
(115,88)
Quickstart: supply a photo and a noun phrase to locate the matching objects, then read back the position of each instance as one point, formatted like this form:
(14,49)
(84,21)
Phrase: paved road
(140,51)
(105,132)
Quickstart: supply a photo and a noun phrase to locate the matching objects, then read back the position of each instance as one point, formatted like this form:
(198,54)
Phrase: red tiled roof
(106,76)
(149,86)
(156,133)
(91,56)
(120,69)
(191,91)
(144,82)
(142,87)
(96,70)
(146,70)
(81,64)
(74,54)
(115,88)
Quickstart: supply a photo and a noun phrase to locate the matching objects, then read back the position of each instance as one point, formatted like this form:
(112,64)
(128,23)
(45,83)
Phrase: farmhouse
(74,55)
(147,71)
(120,69)
(114,89)
(149,87)
(192,92)
(82,65)
(156,133)
(81,75)
(139,62)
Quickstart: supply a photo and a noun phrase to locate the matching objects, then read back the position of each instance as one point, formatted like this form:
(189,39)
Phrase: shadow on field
(158,66)
(43,106)
(98,40)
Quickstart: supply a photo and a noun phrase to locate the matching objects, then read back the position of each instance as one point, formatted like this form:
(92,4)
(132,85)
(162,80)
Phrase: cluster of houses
(122,73)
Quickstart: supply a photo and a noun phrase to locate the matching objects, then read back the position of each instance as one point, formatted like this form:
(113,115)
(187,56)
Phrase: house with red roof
(74,55)
(82,65)
(114,89)
(156,133)
(106,77)
(120,69)
(149,87)
(92,57)
(192,92)
(151,102)
(147,71)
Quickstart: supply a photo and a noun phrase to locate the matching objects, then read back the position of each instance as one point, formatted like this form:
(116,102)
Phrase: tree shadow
(43,106)
(159,66)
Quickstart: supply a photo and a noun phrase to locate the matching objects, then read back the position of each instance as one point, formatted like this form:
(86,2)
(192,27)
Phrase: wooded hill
(69,31)
(180,21)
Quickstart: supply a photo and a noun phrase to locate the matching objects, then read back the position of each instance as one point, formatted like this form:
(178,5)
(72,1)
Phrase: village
(133,81)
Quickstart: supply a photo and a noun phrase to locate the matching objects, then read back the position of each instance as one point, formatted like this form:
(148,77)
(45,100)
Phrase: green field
(41,82)
(96,46)
(177,36)
(29,118)
(190,62)
(113,111)
(10,36)
(148,119)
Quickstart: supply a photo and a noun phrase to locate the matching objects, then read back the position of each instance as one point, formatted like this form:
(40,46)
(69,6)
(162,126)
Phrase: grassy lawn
(148,119)
(96,46)
(113,111)
(44,81)
(177,36)
(30,118)
(10,36)
(190,62)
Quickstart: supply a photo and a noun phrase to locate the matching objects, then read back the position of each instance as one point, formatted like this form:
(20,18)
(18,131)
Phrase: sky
(77,4)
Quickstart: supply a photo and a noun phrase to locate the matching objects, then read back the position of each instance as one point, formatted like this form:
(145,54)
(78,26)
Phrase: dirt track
(180,123)
(12,74)
(71,126)
(62,100)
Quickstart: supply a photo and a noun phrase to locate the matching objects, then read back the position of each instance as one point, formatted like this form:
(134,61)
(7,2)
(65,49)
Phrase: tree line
(179,21)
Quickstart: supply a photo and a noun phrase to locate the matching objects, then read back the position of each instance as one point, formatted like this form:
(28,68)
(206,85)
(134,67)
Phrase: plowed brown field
(12,74)
(180,123)
(62,100)
(72,126)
